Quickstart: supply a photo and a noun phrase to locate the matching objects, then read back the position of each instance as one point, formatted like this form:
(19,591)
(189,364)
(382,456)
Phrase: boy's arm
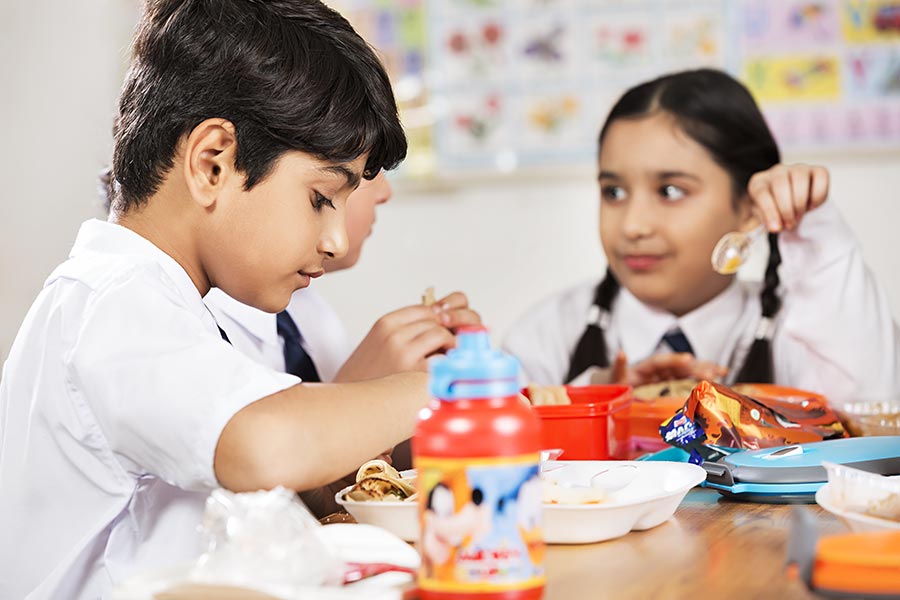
(311,434)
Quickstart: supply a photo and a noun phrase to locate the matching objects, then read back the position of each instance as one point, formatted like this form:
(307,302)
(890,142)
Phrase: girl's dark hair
(289,74)
(718,113)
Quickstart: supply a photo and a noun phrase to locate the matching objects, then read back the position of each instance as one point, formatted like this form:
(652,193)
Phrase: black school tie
(677,341)
(296,360)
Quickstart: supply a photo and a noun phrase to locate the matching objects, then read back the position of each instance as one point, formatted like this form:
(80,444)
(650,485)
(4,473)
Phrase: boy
(399,341)
(242,128)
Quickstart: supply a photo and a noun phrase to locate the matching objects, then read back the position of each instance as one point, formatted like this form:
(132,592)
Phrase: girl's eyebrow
(672,174)
(607,175)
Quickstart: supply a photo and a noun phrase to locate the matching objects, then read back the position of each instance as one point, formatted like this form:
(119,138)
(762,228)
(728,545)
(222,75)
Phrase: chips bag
(717,420)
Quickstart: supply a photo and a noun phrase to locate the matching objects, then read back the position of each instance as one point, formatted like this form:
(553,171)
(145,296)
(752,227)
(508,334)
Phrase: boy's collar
(110,238)
(257,323)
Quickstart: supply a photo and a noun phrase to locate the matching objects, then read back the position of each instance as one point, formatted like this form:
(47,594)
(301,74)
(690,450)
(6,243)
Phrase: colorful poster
(794,78)
(505,84)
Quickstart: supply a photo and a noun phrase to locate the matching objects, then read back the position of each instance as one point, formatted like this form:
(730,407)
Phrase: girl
(683,160)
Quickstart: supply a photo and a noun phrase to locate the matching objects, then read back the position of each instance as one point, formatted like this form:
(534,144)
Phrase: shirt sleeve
(161,385)
(837,335)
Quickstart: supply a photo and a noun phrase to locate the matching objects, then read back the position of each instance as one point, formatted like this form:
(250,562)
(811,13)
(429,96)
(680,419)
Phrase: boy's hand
(402,340)
(784,193)
(664,367)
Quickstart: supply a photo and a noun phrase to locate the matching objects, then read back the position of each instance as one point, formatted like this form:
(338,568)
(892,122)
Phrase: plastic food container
(865,501)
(871,418)
(594,427)
(645,417)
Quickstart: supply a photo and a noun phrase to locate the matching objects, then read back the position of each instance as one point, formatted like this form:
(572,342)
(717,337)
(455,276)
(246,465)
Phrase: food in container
(377,480)
(864,493)
(871,418)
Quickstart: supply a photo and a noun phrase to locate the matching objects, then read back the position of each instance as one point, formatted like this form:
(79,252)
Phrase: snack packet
(716,420)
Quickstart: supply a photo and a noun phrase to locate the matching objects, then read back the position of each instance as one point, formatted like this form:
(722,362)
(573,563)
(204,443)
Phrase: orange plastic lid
(859,563)
(770,390)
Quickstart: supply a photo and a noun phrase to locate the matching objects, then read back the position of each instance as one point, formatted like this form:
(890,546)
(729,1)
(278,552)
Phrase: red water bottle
(476,451)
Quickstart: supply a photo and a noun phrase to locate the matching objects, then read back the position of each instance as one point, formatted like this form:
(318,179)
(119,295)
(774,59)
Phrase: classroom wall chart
(510,84)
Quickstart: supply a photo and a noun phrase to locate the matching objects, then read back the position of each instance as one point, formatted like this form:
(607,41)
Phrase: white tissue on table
(265,541)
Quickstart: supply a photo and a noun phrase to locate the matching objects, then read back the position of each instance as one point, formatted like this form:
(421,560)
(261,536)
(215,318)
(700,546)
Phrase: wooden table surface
(713,548)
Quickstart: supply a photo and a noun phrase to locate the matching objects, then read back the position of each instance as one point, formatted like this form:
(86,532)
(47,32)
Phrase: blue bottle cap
(473,369)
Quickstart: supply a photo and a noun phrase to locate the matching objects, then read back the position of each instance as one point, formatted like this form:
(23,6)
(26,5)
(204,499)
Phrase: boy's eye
(613,193)
(672,192)
(321,201)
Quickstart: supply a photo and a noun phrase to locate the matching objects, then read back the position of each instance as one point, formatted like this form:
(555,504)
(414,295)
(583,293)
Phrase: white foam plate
(857,522)
(649,500)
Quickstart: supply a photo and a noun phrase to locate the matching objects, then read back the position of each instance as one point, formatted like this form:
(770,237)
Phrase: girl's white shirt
(112,401)
(255,332)
(834,333)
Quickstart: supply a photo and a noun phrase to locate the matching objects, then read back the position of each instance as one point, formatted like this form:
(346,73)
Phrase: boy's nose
(333,242)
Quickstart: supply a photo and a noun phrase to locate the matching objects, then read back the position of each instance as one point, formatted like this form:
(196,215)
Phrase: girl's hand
(664,367)
(784,193)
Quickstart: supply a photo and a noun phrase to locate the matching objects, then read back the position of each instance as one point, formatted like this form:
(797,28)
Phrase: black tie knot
(677,341)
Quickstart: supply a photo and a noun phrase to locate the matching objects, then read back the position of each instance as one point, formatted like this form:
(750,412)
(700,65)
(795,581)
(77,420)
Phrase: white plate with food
(584,501)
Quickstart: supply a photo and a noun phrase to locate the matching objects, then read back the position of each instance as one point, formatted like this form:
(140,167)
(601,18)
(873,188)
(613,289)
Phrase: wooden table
(712,549)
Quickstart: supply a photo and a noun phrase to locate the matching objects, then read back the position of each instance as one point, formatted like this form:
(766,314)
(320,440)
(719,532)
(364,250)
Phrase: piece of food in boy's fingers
(548,395)
(428,296)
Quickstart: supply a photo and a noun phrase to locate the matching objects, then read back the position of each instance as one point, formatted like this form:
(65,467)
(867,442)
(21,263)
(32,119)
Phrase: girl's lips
(642,262)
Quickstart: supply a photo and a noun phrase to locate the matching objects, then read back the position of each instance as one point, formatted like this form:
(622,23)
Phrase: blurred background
(502,100)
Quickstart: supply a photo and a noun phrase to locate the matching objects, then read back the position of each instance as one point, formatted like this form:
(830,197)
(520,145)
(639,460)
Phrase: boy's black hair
(718,113)
(289,74)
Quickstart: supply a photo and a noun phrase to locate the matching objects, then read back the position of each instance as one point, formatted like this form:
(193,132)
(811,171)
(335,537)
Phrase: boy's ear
(209,154)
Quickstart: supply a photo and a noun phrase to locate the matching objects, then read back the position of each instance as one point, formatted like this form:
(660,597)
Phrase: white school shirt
(255,333)
(834,333)
(113,398)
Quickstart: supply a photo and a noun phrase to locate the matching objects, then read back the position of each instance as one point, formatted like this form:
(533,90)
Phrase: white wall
(506,242)
(61,64)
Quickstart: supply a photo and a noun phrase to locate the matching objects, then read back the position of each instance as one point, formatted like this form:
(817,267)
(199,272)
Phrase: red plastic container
(594,427)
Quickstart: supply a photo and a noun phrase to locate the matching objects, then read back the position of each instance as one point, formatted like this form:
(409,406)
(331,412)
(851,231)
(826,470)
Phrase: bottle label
(481,524)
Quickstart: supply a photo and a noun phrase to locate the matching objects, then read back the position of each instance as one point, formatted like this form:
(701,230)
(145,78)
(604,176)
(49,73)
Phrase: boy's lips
(642,262)
(306,276)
